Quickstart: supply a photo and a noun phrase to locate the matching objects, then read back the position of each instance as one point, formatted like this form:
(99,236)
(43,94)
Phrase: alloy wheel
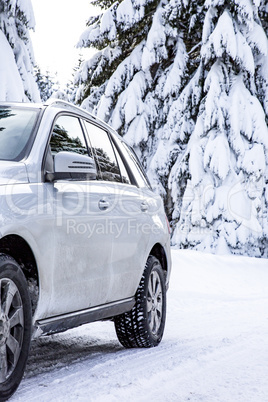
(154,302)
(11,327)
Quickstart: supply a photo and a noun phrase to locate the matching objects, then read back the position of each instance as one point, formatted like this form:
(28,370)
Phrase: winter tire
(15,325)
(143,326)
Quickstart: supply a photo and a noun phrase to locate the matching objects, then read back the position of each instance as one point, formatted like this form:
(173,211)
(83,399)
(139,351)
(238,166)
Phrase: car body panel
(13,173)
(66,223)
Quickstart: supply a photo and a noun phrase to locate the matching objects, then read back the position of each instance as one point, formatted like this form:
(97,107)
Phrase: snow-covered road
(215,346)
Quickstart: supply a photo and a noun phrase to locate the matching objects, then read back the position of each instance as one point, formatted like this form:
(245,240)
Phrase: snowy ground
(215,346)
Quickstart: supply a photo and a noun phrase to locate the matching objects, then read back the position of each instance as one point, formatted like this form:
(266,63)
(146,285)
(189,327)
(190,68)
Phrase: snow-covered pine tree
(263,13)
(262,85)
(45,82)
(261,60)
(224,206)
(168,160)
(138,70)
(188,135)
(147,49)
(71,87)
(17,80)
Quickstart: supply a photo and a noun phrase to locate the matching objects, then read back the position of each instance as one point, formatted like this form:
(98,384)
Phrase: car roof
(21,104)
(62,105)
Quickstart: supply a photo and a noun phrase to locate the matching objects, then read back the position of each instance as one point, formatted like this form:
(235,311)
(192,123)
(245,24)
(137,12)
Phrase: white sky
(59,24)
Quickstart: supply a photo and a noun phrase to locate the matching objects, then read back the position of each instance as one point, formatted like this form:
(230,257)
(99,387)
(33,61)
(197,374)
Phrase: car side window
(134,164)
(106,161)
(140,173)
(67,135)
(123,170)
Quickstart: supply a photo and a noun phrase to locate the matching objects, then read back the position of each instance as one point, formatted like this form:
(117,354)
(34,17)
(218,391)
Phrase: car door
(128,218)
(137,204)
(82,242)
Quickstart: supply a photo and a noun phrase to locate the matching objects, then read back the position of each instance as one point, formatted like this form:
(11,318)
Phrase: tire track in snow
(214,347)
(112,375)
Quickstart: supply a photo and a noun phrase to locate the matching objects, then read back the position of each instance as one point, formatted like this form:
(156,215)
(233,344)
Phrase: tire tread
(131,327)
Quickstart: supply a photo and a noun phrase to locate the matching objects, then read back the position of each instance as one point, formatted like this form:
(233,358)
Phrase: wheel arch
(16,247)
(158,251)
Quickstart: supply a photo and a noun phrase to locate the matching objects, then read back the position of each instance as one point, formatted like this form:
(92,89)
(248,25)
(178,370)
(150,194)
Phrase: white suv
(82,235)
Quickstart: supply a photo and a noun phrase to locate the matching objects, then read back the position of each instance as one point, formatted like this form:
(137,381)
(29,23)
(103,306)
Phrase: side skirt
(64,322)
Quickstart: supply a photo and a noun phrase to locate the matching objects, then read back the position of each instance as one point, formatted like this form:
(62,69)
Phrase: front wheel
(15,325)
(143,326)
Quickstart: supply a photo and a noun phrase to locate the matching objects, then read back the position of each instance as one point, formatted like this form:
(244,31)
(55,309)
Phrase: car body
(78,218)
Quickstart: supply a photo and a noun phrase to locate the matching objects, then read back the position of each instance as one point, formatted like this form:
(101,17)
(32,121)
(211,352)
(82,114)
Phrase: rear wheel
(143,326)
(15,325)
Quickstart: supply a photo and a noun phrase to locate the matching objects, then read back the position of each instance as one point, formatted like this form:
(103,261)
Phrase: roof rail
(52,101)
(60,102)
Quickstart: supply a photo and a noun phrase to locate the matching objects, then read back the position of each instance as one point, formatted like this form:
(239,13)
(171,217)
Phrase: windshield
(16,126)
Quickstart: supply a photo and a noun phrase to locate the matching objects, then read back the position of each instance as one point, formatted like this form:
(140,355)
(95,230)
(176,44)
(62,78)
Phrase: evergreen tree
(186,84)
(261,58)
(45,84)
(17,62)
(262,85)
(263,13)
(138,70)
(147,50)
(71,86)
(223,206)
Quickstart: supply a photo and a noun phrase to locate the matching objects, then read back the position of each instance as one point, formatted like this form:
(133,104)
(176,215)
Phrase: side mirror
(70,165)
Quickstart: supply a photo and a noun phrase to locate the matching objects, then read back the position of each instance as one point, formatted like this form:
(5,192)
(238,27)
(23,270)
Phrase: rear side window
(123,170)
(16,127)
(134,165)
(108,168)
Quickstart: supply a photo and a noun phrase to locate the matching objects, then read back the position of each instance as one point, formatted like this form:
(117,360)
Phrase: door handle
(103,205)
(144,206)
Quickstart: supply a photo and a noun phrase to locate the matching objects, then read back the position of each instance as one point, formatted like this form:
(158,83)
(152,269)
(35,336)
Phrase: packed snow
(214,349)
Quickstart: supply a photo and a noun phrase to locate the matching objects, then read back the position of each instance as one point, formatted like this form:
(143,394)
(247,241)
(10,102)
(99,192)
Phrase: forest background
(186,84)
